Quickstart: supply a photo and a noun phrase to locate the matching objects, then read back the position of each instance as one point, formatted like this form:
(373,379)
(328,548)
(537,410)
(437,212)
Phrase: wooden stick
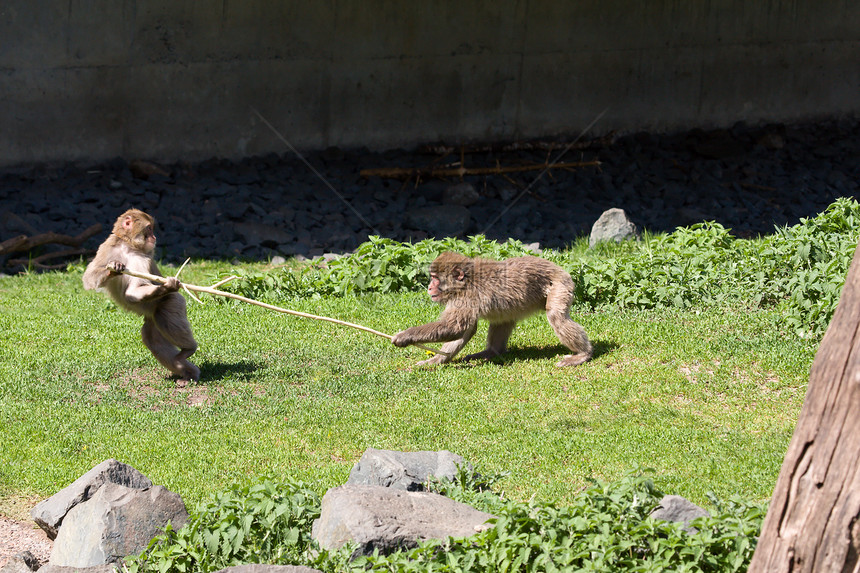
(23,243)
(210,290)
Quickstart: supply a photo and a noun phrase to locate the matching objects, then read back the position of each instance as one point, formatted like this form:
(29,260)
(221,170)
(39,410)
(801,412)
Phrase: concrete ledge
(173,80)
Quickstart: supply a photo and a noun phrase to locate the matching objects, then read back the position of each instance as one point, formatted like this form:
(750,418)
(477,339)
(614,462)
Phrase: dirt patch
(144,392)
(19,536)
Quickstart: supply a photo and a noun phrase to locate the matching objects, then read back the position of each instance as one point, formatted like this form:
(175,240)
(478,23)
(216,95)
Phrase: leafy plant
(607,528)
(800,268)
(267,522)
(379,265)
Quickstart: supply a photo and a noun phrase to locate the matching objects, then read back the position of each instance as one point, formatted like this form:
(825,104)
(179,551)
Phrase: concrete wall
(177,79)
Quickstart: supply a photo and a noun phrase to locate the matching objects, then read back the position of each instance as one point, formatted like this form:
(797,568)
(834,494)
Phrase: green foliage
(379,265)
(818,253)
(607,528)
(800,268)
(267,522)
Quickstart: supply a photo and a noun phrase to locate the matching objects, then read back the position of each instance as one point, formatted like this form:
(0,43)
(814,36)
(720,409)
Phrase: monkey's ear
(459,274)
(128,222)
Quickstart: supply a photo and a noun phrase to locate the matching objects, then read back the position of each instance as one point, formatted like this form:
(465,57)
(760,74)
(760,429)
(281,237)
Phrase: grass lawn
(708,399)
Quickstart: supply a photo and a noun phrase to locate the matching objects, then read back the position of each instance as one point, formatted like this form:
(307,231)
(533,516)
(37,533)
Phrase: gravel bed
(746,178)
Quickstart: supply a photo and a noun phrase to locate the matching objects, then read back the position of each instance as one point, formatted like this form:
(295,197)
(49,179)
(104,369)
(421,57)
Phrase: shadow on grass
(212,371)
(516,354)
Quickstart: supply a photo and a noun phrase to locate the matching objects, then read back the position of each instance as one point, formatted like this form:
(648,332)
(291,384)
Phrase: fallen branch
(40,261)
(533,145)
(213,291)
(442,172)
(23,243)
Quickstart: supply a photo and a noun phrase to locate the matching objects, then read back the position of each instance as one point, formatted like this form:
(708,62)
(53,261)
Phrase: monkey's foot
(188,373)
(574,359)
(485,354)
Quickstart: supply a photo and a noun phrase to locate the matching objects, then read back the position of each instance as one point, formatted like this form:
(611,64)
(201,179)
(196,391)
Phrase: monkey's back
(516,288)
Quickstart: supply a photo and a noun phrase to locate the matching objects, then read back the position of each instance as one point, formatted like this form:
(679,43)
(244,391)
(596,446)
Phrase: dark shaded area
(746,178)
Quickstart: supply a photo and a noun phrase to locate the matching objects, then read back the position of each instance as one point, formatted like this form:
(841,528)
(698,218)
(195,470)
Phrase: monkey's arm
(445,329)
(140,290)
(454,329)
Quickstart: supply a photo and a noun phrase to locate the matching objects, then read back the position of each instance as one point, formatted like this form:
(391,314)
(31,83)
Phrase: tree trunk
(812,523)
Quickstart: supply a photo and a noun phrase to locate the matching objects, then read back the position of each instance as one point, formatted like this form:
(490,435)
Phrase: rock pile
(113,511)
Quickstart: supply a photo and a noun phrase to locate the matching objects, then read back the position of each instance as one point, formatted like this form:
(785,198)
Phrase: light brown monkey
(501,292)
(165,322)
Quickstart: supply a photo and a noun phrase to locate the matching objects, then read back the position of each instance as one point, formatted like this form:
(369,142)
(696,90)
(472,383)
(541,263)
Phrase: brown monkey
(502,292)
(165,323)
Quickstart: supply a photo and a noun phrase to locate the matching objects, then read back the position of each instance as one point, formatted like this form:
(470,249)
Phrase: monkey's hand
(433,360)
(115,267)
(402,339)
(172,284)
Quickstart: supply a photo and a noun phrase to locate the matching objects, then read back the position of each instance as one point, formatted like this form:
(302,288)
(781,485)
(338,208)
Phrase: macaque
(165,323)
(501,292)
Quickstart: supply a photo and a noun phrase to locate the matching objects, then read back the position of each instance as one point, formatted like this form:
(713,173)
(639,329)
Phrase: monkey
(501,292)
(165,322)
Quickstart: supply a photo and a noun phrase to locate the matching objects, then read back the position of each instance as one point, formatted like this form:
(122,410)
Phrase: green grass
(708,398)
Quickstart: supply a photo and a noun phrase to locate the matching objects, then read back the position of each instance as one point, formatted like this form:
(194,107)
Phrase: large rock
(678,509)
(385,519)
(49,514)
(440,220)
(463,194)
(106,568)
(116,522)
(403,470)
(23,562)
(260,568)
(612,225)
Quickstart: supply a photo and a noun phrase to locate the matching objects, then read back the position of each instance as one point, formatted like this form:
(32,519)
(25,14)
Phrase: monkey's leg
(451,348)
(497,341)
(167,330)
(570,333)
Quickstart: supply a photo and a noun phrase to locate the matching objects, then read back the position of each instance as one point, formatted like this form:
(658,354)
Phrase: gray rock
(260,568)
(463,194)
(676,508)
(612,225)
(385,519)
(49,514)
(441,220)
(116,522)
(24,562)
(403,470)
(106,568)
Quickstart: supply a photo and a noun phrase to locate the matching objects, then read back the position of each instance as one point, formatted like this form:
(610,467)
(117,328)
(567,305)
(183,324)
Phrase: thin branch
(23,243)
(224,281)
(40,261)
(210,290)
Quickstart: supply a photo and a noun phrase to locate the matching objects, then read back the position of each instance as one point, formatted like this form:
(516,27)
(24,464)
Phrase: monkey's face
(148,235)
(142,234)
(138,229)
(447,284)
(433,288)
